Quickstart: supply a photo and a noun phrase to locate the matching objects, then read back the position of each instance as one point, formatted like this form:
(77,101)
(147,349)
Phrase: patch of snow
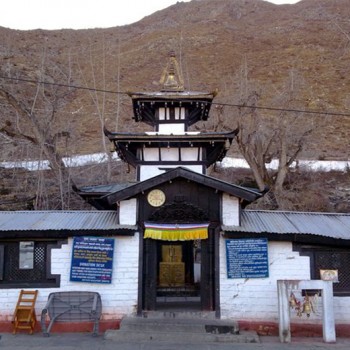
(313,165)
(228,162)
(74,161)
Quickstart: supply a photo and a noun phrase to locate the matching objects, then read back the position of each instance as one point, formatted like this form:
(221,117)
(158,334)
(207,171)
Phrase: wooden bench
(75,306)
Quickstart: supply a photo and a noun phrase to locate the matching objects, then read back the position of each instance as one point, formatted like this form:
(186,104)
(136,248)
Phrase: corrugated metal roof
(332,225)
(105,188)
(60,220)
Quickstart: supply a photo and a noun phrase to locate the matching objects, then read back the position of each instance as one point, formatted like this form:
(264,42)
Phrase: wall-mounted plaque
(92,260)
(329,275)
(247,258)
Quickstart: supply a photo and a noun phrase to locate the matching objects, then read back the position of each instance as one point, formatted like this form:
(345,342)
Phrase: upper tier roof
(146,104)
(128,145)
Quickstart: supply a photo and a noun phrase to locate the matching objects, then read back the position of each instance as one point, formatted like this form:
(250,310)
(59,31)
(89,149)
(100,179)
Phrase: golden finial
(172,78)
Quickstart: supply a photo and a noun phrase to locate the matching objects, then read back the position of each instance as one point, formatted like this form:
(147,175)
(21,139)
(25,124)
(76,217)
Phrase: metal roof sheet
(332,225)
(60,220)
(105,188)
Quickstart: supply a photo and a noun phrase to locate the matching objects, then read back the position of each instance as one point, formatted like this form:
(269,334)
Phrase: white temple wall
(165,113)
(148,171)
(255,299)
(230,210)
(172,154)
(150,154)
(169,154)
(176,129)
(118,298)
(128,212)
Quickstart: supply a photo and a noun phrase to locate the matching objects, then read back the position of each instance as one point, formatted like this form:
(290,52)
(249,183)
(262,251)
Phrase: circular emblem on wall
(156,198)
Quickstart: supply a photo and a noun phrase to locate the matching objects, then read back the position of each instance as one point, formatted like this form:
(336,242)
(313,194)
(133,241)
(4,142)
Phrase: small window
(26,255)
(27,264)
(334,260)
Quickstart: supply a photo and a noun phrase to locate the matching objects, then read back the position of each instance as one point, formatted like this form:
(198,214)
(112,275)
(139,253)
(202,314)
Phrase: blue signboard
(92,260)
(247,258)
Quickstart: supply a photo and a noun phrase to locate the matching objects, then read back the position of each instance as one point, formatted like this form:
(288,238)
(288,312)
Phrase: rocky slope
(214,40)
(235,46)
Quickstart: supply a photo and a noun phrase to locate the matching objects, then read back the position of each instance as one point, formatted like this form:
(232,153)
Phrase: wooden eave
(197,105)
(172,96)
(92,194)
(246,195)
(143,137)
(127,144)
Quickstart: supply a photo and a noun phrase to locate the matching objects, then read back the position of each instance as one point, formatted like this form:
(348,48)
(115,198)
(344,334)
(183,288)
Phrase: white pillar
(328,313)
(283,312)
(285,287)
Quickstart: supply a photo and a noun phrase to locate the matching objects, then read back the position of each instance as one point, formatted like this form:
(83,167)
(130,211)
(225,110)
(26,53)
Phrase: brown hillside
(212,39)
(235,46)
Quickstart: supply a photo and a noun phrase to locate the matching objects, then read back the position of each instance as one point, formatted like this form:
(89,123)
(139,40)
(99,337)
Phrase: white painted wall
(151,154)
(172,154)
(164,113)
(175,129)
(128,212)
(118,298)
(240,299)
(191,154)
(148,171)
(169,154)
(256,299)
(230,210)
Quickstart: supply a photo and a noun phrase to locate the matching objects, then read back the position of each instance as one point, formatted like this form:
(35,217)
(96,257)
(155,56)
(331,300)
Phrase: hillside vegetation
(291,56)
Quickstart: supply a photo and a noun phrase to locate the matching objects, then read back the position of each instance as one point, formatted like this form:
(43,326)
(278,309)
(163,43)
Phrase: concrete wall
(255,300)
(118,298)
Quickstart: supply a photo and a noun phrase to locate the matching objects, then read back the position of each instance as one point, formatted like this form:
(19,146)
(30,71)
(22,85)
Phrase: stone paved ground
(85,341)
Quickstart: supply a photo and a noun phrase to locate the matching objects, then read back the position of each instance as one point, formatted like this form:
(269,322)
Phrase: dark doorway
(179,274)
(178,282)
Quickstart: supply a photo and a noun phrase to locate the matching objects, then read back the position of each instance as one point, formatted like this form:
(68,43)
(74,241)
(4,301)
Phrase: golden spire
(171,78)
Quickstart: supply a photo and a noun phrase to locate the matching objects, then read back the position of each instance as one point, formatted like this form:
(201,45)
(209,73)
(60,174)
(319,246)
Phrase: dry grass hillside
(235,46)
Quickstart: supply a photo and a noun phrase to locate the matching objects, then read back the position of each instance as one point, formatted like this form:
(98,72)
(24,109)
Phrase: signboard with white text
(247,258)
(92,260)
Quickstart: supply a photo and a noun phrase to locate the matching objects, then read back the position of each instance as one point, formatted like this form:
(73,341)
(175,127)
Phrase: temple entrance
(179,274)
(180,257)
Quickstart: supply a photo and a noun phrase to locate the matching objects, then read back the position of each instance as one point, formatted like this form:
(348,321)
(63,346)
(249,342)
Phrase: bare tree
(270,141)
(97,74)
(35,107)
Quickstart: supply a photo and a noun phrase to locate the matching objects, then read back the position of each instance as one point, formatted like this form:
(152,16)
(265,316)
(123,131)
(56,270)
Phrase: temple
(177,242)
(177,205)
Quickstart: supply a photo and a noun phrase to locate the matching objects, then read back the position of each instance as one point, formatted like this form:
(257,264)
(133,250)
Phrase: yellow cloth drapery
(176,232)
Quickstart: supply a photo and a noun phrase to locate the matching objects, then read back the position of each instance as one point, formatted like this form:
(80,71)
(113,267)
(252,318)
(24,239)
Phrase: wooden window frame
(313,251)
(49,281)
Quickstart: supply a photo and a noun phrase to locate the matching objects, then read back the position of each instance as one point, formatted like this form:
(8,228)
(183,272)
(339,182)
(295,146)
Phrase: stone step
(179,337)
(185,325)
(180,330)
(176,314)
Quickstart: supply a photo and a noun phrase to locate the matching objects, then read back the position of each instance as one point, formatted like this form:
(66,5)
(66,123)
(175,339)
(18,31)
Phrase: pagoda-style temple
(170,113)
(176,242)
(178,206)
